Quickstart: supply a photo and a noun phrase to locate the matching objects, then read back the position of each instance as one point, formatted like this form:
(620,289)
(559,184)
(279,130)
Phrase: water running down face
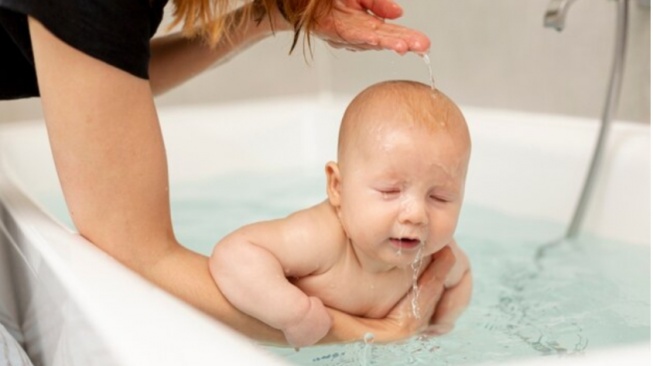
(399,181)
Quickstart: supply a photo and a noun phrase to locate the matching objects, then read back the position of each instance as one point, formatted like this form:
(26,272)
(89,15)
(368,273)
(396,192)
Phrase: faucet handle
(556,13)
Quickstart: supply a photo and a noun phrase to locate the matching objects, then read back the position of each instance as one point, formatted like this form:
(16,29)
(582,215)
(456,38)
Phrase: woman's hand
(401,322)
(453,302)
(359,25)
(445,290)
(456,296)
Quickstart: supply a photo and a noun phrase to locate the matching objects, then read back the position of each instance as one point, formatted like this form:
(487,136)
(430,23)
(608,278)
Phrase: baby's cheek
(437,244)
(442,233)
(449,221)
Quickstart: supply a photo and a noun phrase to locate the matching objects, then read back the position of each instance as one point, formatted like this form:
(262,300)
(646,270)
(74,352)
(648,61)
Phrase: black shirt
(117,32)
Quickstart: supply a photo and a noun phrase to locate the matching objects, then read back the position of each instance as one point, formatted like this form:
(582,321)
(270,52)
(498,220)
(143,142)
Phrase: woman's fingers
(349,25)
(387,9)
(431,282)
(414,312)
(380,35)
(451,306)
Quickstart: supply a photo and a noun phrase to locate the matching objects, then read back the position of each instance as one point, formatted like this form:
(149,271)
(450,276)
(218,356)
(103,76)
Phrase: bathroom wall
(498,54)
(484,53)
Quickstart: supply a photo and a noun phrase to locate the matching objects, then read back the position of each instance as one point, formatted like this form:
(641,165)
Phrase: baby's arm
(457,293)
(250,267)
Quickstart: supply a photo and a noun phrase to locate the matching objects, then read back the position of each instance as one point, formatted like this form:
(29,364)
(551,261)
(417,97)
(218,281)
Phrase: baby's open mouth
(405,243)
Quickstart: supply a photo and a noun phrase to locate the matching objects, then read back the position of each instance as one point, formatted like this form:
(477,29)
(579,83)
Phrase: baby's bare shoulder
(319,229)
(320,220)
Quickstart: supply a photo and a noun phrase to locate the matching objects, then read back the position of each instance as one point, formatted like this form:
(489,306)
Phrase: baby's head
(399,181)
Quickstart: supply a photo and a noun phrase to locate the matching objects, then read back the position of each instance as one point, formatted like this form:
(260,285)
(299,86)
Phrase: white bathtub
(70,304)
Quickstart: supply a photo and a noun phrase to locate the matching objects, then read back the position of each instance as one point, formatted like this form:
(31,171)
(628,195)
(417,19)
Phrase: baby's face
(401,193)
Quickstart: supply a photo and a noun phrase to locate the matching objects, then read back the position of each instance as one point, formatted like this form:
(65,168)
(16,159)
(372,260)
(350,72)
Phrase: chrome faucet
(556,13)
(555,18)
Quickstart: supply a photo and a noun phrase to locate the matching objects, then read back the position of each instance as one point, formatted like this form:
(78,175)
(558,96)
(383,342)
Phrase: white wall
(489,53)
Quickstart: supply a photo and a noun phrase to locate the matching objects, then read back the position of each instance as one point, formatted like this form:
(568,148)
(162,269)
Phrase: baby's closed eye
(439,198)
(389,192)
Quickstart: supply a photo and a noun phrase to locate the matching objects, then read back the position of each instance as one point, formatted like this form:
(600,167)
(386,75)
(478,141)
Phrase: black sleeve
(114,31)
(17,75)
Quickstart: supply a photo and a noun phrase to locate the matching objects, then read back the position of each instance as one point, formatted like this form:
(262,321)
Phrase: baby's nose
(413,212)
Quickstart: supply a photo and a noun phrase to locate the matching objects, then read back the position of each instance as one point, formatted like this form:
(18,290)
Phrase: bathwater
(582,296)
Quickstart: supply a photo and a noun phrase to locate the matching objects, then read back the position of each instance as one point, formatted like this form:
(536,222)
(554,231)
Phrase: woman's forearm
(110,159)
(175,58)
(193,283)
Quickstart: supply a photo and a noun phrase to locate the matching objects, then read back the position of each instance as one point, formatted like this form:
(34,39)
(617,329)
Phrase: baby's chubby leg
(311,327)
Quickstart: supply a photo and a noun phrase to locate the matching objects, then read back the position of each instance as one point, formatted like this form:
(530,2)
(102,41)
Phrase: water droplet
(368,338)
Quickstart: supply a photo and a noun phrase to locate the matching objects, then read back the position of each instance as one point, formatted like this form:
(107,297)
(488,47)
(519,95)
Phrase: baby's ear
(333,183)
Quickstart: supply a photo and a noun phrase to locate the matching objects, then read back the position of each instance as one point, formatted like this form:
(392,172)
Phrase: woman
(97,71)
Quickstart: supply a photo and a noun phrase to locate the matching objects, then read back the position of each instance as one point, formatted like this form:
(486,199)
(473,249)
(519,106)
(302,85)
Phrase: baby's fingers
(421,306)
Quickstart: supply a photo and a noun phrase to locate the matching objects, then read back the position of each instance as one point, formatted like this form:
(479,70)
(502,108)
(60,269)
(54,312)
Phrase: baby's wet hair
(411,103)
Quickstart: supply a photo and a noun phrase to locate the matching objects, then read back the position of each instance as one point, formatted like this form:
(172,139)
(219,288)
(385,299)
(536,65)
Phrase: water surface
(579,297)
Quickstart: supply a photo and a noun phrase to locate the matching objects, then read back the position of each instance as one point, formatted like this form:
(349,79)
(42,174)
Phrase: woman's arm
(175,59)
(352,24)
(110,158)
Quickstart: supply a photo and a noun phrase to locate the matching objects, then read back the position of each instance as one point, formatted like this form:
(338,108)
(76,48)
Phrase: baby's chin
(405,254)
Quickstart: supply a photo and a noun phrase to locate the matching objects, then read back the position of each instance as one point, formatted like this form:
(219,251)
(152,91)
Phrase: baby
(394,198)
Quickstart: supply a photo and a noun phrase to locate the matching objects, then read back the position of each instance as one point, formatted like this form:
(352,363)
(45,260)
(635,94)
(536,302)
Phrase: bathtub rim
(106,317)
(583,133)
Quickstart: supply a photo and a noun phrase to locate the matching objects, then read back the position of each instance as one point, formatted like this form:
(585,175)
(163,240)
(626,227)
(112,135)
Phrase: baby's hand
(312,327)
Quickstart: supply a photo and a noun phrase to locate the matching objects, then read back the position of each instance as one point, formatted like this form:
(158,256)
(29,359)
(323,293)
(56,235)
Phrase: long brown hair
(206,18)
